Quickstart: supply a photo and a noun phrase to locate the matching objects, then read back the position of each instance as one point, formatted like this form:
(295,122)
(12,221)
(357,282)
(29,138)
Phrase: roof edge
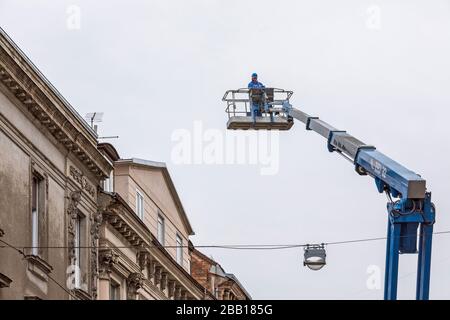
(162,166)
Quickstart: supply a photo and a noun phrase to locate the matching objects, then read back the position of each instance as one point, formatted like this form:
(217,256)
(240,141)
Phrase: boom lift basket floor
(246,122)
(239,104)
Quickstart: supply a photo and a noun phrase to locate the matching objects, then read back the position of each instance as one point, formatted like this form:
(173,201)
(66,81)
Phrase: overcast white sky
(157,66)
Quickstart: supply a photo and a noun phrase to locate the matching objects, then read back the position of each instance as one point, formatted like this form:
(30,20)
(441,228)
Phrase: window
(160,231)
(179,250)
(77,244)
(80,262)
(37,212)
(35,216)
(139,205)
(108,183)
(114,291)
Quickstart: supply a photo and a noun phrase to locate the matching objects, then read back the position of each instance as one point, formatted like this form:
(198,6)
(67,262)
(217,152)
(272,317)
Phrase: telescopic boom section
(411,215)
(405,216)
(389,175)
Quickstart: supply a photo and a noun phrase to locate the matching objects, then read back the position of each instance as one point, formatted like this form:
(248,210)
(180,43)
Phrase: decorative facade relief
(72,211)
(135,281)
(157,275)
(142,258)
(151,268)
(177,292)
(107,258)
(96,221)
(164,280)
(83,182)
(171,289)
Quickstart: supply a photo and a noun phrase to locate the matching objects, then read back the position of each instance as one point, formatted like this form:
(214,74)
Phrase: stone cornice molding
(38,96)
(115,213)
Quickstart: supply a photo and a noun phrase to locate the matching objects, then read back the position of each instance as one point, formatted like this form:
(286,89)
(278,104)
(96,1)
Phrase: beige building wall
(132,262)
(40,135)
(158,200)
(24,148)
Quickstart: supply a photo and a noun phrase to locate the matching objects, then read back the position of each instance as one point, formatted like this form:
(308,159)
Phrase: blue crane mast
(410,210)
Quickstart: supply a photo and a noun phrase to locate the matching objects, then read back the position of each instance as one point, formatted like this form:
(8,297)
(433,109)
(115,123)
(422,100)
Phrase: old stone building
(76,220)
(144,235)
(211,275)
(58,204)
(50,168)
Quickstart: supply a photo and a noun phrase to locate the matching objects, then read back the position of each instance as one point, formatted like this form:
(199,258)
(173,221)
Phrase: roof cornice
(162,166)
(110,151)
(23,80)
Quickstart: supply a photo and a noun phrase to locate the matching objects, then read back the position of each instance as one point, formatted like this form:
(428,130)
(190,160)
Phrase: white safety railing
(239,101)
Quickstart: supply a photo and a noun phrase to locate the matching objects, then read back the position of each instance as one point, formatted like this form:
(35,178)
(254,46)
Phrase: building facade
(76,220)
(143,251)
(50,168)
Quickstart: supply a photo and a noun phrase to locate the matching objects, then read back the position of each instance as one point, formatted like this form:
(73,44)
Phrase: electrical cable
(228,246)
(49,276)
(232,247)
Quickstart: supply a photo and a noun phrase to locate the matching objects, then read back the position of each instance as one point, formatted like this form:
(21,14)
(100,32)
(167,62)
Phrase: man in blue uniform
(256,106)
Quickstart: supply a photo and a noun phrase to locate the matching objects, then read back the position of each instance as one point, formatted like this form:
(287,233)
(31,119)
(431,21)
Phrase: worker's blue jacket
(255,85)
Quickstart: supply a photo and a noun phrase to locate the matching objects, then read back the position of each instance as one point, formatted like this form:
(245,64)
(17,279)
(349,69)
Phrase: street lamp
(314,256)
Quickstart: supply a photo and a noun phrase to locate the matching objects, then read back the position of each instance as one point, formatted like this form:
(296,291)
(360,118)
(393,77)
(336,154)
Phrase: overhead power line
(49,276)
(230,246)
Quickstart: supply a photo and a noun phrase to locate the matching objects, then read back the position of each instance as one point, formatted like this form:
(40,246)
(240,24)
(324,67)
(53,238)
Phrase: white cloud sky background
(157,66)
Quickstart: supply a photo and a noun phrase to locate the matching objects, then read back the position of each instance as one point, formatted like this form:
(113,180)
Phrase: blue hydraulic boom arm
(412,211)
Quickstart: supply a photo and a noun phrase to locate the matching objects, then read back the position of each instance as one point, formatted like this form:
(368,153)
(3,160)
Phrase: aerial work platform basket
(272,105)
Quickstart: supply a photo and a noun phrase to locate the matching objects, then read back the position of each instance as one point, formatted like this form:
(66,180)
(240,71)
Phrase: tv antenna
(109,137)
(94,117)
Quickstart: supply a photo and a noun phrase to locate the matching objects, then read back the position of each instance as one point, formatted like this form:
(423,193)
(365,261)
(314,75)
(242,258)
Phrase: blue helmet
(254,75)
